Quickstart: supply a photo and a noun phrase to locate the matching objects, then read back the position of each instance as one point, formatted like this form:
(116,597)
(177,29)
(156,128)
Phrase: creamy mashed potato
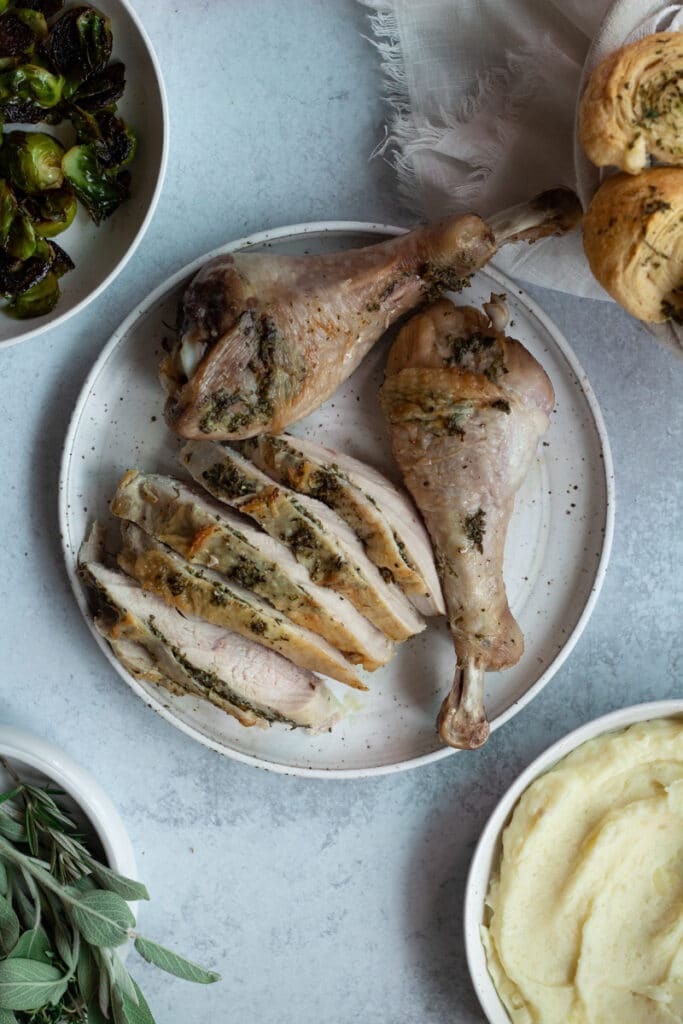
(585,918)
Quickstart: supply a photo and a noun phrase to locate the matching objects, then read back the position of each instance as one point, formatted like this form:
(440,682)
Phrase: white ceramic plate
(557,549)
(487,853)
(100,253)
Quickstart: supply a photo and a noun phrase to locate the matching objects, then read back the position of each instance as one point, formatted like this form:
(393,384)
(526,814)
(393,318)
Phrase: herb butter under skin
(585,909)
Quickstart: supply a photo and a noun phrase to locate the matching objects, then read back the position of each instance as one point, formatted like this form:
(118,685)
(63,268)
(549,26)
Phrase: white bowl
(100,253)
(35,760)
(488,849)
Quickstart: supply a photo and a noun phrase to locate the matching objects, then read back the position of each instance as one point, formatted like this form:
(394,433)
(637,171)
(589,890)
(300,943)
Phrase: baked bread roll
(632,108)
(633,239)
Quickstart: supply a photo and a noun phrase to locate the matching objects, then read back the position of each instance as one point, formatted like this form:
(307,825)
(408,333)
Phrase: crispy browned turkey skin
(466,407)
(265,338)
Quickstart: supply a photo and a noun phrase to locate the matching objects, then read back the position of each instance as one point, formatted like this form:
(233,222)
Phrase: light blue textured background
(319,902)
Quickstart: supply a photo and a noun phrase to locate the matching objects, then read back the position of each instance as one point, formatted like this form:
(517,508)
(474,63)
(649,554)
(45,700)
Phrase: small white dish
(37,761)
(101,252)
(556,555)
(488,849)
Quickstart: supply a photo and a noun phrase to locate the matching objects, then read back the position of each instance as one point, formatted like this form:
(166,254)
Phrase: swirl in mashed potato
(585,911)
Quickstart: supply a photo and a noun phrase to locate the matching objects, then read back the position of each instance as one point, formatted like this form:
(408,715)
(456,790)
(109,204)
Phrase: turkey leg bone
(466,406)
(266,338)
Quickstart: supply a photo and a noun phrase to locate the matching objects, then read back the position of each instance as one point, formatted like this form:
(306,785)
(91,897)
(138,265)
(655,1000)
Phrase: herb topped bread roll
(632,108)
(634,243)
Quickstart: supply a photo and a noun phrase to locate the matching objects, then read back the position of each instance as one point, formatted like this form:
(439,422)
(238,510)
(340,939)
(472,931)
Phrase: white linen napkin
(482,97)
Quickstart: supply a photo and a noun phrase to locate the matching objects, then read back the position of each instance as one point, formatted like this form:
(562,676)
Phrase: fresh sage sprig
(62,915)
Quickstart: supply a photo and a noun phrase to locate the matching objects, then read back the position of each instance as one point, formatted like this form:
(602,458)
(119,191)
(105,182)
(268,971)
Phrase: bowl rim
(81,787)
(161,175)
(488,846)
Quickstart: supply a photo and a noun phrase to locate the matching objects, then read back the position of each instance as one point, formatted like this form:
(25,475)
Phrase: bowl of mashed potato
(574,903)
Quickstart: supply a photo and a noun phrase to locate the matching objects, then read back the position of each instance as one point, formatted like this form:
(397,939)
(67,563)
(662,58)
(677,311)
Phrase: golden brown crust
(634,243)
(632,108)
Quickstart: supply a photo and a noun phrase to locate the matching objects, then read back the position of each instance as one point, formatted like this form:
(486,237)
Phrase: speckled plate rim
(261,238)
(163,163)
(488,848)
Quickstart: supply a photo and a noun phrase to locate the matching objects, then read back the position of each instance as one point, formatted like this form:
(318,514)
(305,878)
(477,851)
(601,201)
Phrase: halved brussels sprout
(34,20)
(17,234)
(51,212)
(100,190)
(31,83)
(79,43)
(113,139)
(102,89)
(39,299)
(15,36)
(32,160)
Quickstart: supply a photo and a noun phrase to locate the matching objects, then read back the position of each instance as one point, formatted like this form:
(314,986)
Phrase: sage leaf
(10,927)
(32,945)
(172,963)
(102,918)
(4,880)
(122,979)
(11,829)
(29,985)
(128,888)
(95,1015)
(86,883)
(140,1014)
(86,973)
(66,947)
(7,1017)
(104,982)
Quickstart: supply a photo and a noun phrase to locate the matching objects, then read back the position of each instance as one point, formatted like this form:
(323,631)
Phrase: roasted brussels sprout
(31,83)
(51,212)
(39,299)
(113,139)
(32,160)
(100,190)
(79,44)
(34,20)
(16,37)
(17,234)
(103,89)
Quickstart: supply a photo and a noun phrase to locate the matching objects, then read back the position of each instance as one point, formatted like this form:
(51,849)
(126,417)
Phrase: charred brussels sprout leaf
(32,161)
(79,44)
(48,8)
(17,234)
(17,276)
(38,300)
(16,37)
(103,89)
(113,140)
(33,84)
(61,261)
(100,190)
(51,212)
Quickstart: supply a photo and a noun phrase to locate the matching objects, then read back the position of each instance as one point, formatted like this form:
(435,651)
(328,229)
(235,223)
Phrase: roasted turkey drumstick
(466,407)
(265,338)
